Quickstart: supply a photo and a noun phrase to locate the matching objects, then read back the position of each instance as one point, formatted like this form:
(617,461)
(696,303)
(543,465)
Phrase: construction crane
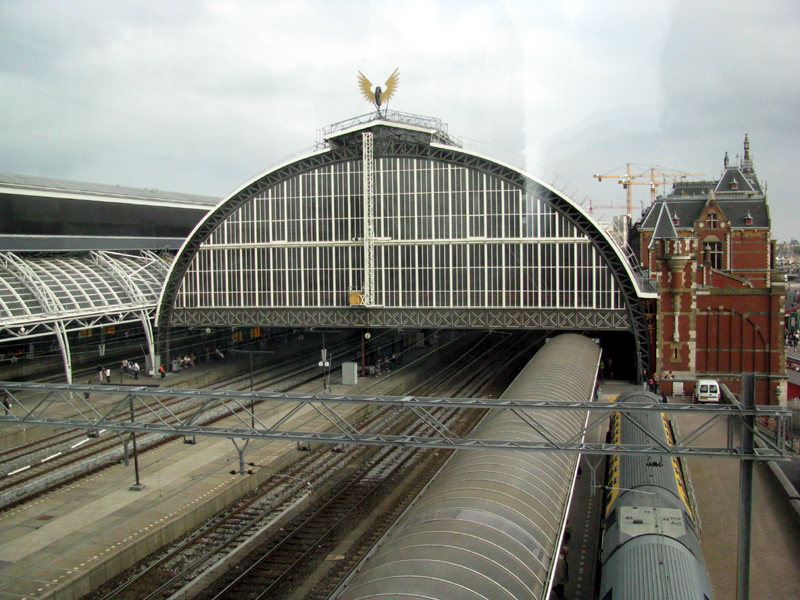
(657,177)
(593,206)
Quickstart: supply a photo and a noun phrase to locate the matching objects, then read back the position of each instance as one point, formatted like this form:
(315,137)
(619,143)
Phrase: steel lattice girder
(492,318)
(157,418)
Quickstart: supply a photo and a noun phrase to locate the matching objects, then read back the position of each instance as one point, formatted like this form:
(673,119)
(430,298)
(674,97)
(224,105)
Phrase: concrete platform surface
(67,542)
(775,547)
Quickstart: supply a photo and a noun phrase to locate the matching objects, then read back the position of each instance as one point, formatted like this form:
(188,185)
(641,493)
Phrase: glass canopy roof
(40,289)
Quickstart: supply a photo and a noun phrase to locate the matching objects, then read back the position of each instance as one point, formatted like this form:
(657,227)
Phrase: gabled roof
(733,181)
(686,189)
(737,193)
(665,229)
(687,211)
(737,211)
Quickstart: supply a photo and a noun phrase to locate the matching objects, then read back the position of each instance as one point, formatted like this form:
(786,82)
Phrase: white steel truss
(367,298)
(55,294)
(61,405)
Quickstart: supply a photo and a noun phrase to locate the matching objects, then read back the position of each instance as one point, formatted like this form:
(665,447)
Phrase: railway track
(279,562)
(301,544)
(62,459)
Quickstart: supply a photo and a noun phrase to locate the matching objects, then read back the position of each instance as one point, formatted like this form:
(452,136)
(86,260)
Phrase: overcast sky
(193,96)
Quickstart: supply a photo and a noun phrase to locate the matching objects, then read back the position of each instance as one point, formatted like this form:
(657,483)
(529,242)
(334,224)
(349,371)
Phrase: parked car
(707,390)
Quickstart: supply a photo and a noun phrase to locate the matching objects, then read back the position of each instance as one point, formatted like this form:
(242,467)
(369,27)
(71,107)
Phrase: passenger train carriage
(650,548)
(490,523)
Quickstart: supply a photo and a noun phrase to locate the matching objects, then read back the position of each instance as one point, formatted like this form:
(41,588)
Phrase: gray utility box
(349,373)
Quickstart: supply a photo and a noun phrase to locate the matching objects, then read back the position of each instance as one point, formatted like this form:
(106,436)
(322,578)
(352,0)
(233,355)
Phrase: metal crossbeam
(63,405)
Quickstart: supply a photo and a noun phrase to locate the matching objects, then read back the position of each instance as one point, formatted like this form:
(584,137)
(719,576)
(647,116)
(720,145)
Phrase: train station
(389,272)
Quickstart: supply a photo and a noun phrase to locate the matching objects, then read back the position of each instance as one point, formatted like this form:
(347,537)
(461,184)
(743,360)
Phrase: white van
(707,390)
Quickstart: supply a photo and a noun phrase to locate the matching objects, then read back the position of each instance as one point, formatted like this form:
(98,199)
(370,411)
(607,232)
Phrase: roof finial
(726,160)
(379,96)
(746,147)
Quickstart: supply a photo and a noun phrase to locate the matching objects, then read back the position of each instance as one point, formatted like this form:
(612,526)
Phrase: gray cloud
(198,97)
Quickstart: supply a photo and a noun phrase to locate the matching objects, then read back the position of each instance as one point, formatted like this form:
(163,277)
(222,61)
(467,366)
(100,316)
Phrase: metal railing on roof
(393,116)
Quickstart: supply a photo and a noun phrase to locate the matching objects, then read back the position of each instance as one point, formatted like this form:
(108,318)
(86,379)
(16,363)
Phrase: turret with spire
(747,162)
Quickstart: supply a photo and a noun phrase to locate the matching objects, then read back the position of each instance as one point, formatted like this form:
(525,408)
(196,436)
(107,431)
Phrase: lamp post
(325,363)
(137,487)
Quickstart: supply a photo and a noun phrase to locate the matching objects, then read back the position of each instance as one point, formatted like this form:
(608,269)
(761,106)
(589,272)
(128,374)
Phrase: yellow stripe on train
(676,467)
(612,483)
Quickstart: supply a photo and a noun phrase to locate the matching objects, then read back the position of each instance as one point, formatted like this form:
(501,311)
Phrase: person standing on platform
(561,576)
(101,376)
(6,404)
(108,375)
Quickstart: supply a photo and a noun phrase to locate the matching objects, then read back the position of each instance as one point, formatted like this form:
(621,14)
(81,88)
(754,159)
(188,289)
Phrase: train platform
(67,542)
(775,544)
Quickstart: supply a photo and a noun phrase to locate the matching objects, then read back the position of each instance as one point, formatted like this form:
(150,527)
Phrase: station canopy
(44,293)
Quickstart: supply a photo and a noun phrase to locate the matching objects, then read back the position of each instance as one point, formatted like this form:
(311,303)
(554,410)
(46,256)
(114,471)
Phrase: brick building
(720,308)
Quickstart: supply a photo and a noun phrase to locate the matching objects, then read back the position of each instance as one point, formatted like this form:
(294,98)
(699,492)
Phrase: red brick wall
(734,332)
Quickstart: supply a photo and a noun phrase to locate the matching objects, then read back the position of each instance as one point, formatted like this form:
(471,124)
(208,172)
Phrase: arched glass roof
(393,216)
(37,291)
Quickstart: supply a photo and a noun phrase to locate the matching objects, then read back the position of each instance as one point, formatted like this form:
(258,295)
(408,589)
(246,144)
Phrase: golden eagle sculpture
(379,96)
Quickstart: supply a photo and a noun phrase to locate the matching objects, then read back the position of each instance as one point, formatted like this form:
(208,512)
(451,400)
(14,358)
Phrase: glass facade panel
(447,237)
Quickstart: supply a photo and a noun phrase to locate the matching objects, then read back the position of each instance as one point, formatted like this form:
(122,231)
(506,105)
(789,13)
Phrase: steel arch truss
(60,405)
(399,142)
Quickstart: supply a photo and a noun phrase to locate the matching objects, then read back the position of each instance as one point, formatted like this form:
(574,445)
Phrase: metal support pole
(126,454)
(746,489)
(63,343)
(151,346)
(138,485)
(253,401)
(241,454)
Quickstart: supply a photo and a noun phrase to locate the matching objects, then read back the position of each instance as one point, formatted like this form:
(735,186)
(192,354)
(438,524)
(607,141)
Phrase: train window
(688,519)
(612,518)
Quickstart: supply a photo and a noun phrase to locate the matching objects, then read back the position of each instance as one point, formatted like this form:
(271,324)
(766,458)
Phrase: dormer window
(675,220)
(734,185)
(748,219)
(712,220)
